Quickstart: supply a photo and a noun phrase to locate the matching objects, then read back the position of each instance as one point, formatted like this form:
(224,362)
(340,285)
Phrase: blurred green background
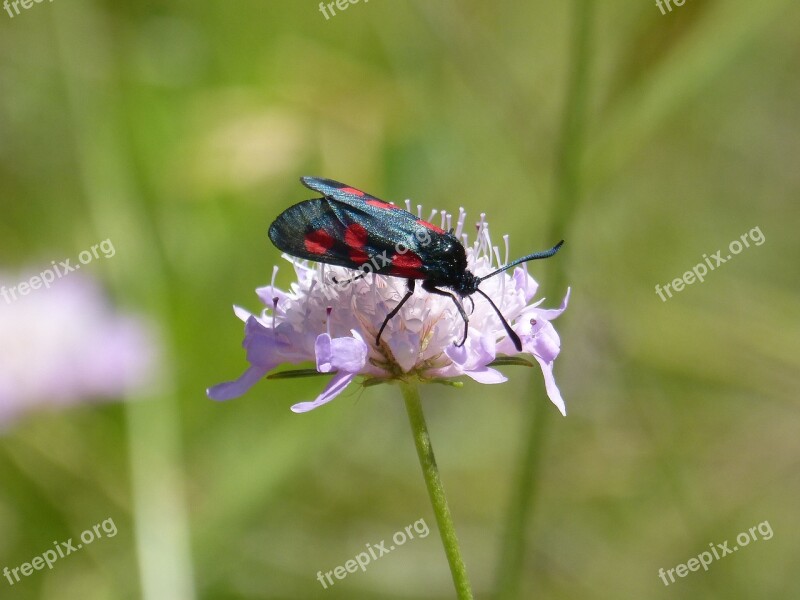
(646,140)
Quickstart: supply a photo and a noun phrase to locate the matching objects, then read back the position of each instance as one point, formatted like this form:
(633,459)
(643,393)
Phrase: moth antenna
(534,256)
(511,333)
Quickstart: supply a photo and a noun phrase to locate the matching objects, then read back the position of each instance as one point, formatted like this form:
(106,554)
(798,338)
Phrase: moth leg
(431,288)
(472,304)
(411,285)
(347,281)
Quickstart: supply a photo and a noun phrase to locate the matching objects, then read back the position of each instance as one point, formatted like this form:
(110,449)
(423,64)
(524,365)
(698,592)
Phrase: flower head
(67,345)
(333,320)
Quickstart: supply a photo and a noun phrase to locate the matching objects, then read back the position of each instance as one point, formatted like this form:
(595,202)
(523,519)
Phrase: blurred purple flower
(299,325)
(65,345)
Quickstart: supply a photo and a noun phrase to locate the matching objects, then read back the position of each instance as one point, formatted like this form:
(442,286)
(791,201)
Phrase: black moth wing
(339,191)
(350,229)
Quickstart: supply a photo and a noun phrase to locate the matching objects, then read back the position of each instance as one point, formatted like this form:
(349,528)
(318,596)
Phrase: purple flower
(65,345)
(335,325)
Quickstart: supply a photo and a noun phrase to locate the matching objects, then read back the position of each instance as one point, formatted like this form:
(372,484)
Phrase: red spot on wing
(358,256)
(430,226)
(407,265)
(355,236)
(380,204)
(349,190)
(318,242)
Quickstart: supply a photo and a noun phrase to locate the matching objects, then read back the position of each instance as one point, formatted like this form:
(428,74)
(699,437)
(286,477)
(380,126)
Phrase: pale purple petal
(242,313)
(486,375)
(266,349)
(507,347)
(544,343)
(476,352)
(340,354)
(234,389)
(335,387)
(268,295)
(472,359)
(458,354)
(323,349)
(525,282)
(487,349)
(405,347)
(550,385)
(552,313)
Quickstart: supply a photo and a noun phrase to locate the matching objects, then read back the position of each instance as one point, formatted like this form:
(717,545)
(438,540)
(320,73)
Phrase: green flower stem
(153,421)
(430,471)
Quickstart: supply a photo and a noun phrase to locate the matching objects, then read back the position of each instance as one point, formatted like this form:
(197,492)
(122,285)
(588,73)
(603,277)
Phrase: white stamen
(462,215)
(274,274)
(480,238)
(308,295)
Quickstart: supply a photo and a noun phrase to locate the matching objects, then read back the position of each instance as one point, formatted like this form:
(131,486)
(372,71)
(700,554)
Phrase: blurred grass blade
(117,212)
(517,361)
(298,373)
(567,195)
(730,28)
